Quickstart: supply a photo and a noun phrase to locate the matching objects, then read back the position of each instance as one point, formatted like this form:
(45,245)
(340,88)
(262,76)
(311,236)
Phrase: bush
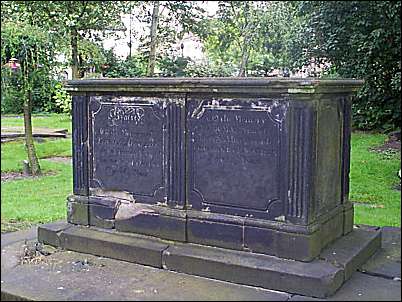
(208,70)
(63,101)
(135,66)
(362,39)
(11,94)
(173,66)
(32,51)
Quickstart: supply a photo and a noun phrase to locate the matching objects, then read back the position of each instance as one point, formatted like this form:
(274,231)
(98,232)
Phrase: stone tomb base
(321,277)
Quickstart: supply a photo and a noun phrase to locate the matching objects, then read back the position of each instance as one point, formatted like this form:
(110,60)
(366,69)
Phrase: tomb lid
(215,85)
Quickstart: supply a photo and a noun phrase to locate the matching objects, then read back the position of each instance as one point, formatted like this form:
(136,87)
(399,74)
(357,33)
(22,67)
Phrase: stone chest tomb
(242,167)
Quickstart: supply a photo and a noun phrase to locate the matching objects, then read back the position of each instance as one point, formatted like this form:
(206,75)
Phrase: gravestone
(255,169)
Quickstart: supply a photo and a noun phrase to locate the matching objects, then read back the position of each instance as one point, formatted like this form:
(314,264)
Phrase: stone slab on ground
(28,234)
(319,278)
(60,159)
(387,261)
(352,251)
(363,287)
(67,275)
(14,132)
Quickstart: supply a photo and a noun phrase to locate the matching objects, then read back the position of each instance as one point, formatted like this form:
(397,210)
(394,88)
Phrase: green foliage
(62,99)
(176,18)
(91,57)
(172,66)
(33,51)
(361,39)
(194,69)
(76,25)
(134,66)
(11,96)
(252,35)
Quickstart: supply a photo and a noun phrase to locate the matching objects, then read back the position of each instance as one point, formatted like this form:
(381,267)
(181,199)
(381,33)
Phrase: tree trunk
(152,47)
(29,142)
(74,54)
(244,61)
(246,40)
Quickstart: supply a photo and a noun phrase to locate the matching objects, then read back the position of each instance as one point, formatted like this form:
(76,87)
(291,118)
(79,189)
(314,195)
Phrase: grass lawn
(373,176)
(46,120)
(29,201)
(38,200)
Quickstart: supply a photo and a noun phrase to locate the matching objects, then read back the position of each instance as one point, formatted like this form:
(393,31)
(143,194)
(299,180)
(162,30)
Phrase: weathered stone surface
(166,227)
(363,287)
(352,251)
(12,237)
(263,149)
(77,213)
(102,216)
(386,262)
(316,278)
(49,233)
(215,233)
(298,246)
(348,220)
(107,244)
(72,276)
(243,138)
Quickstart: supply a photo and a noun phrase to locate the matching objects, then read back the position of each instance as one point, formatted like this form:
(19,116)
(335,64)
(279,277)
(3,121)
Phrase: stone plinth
(255,166)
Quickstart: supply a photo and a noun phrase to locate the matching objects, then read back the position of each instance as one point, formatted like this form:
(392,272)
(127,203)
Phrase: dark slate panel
(236,151)
(127,144)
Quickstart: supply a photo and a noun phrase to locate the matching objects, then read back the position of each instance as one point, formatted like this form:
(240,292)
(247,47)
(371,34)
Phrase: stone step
(321,277)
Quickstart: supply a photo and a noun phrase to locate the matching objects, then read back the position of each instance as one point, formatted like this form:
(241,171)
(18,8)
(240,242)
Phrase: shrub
(134,66)
(63,100)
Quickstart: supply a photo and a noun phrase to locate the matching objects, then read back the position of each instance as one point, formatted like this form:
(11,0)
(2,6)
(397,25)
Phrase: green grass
(373,176)
(39,200)
(48,121)
(36,200)
(13,153)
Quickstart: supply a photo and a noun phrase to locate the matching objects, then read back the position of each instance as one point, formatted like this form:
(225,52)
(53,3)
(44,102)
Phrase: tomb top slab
(216,85)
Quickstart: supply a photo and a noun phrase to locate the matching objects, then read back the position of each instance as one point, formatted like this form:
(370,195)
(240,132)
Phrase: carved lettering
(231,133)
(127,144)
(119,115)
(236,155)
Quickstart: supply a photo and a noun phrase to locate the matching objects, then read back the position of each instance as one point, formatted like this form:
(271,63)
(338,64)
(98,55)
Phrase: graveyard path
(66,275)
